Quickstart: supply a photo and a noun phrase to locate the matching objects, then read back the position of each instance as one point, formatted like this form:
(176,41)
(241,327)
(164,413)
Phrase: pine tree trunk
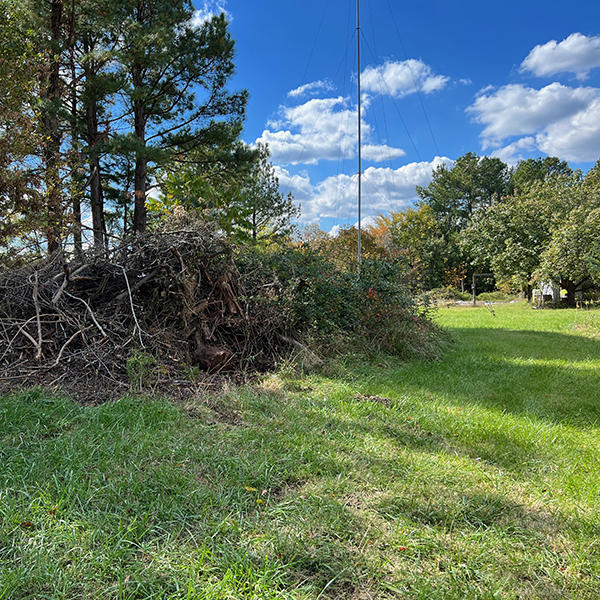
(77,236)
(139,209)
(96,193)
(52,135)
(141,161)
(93,139)
(75,158)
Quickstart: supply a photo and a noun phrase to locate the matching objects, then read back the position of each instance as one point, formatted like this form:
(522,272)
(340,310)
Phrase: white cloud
(577,54)
(297,183)
(326,130)
(322,129)
(366,222)
(515,110)
(312,88)
(516,151)
(576,138)
(399,79)
(557,120)
(384,189)
(381,153)
(210,8)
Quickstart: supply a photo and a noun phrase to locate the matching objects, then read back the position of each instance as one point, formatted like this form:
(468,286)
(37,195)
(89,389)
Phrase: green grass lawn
(475,477)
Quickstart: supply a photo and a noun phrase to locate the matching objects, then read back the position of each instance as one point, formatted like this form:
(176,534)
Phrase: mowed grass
(475,477)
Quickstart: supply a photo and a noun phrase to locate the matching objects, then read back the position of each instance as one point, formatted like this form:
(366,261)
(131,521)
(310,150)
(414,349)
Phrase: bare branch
(90,312)
(36,301)
(139,329)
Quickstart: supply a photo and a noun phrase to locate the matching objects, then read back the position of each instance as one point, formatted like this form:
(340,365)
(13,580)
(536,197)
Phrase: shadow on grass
(543,345)
(451,512)
(549,376)
(433,502)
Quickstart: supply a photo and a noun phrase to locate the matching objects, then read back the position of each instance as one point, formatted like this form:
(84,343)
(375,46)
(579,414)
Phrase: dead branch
(64,347)
(169,292)
(178,255)
(137,325)
(90,311)
(69,277)
(137,284)
(36,283)
(21,330)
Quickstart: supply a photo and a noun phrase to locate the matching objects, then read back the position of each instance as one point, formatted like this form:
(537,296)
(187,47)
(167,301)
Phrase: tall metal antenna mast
(359,137)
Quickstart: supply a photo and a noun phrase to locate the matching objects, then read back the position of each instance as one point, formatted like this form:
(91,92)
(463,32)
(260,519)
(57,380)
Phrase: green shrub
(334,309)
(444,295)
(593,295)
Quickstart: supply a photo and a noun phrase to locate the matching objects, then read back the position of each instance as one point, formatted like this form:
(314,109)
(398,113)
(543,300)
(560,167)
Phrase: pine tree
(268,213)
(175,77)
(21,203)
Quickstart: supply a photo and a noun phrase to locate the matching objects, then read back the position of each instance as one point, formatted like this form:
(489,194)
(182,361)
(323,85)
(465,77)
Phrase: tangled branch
(171,292)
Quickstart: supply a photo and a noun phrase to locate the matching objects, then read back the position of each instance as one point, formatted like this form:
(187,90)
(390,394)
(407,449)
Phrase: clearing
(474,477)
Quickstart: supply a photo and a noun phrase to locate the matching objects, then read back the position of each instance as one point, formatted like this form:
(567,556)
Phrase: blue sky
(513,79)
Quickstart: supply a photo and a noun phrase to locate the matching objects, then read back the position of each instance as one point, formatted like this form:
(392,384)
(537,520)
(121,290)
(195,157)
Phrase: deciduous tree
(415,235)
(539,233)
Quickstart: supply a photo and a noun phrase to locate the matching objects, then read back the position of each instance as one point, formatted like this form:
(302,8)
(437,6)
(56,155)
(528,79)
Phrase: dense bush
(331,308)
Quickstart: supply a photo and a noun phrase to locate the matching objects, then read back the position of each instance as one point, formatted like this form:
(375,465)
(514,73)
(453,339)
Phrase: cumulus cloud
(577,54)
(384,189)
(399,79)
(516,151)
(576,138)
(557,120)
(381,153)
(321,129)
(312,88)
(515,110)
(210,8)
(298,184)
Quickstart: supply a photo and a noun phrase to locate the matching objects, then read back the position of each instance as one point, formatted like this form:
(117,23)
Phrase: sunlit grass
(477,477)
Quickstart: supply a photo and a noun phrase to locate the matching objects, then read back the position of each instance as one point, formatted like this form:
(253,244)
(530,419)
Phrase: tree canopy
(116,93)
(545,231)
(473,182)
(240,192)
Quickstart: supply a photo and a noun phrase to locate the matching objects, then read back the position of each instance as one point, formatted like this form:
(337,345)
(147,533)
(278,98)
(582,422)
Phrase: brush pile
(173,296)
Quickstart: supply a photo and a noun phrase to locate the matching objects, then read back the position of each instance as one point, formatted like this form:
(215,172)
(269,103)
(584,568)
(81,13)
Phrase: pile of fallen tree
(173,294)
